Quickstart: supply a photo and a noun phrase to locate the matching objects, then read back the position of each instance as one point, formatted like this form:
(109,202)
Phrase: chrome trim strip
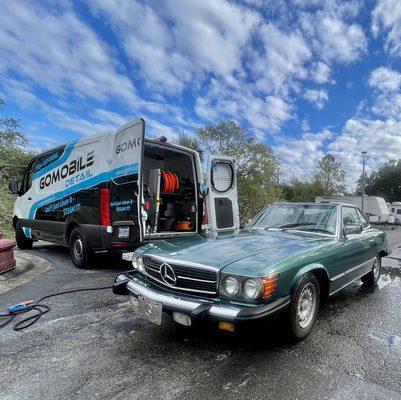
(348,283)
(180,262)
(195,279)
(139,289)
(351,270)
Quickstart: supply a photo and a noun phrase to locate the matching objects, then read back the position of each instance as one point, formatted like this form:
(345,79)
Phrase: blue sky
(306,77)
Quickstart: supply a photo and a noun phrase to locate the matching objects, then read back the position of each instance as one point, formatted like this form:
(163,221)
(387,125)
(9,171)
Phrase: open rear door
(125,186)
(222,198)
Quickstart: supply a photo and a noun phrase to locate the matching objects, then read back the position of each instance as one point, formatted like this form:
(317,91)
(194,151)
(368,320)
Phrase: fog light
(226,326)
(181,319)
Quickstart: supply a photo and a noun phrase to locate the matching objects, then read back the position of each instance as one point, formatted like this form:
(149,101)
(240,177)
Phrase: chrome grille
(189,278)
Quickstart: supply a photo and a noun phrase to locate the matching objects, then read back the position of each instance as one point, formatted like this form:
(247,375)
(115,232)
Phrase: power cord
(41,309)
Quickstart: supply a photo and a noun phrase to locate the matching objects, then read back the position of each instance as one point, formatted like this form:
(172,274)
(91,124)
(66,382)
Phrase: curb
(28,268)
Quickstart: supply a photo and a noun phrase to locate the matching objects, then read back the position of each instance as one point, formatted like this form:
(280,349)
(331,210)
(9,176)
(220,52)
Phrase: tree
(385,182)
(13,157)
(189,142)
(298,190)
(330,173)
(257,166)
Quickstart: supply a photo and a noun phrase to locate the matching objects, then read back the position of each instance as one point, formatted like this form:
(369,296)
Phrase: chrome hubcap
(376,269)
(78,248)
(306,305)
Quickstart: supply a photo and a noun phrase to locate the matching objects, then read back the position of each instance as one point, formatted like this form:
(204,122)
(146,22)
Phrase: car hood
(234,252)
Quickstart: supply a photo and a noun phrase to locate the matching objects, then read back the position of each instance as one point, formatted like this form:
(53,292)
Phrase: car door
(355,253)
(222,198)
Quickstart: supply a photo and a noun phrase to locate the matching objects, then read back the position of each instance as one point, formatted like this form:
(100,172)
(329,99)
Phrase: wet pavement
(92,346)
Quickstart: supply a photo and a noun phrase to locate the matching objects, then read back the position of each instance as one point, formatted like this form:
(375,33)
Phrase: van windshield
(302,217)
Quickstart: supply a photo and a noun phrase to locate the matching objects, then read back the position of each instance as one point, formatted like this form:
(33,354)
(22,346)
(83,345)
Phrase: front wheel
(371,278)
(23,242)
(304,306)
(81,254)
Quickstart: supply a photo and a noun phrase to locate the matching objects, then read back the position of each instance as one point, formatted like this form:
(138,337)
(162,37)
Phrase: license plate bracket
(150,310)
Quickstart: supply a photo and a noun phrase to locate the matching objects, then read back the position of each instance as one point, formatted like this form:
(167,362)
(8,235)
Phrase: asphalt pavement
(91,345)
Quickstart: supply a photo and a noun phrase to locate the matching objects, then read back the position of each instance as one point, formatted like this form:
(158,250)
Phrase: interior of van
(169,190)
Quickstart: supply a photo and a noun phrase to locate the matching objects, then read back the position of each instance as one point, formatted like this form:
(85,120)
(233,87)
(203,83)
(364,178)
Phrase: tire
(81,254)
(371,278)
(23,242)
(301,322)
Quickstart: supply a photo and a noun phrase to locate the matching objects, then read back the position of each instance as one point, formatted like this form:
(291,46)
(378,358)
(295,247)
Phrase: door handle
(29,198)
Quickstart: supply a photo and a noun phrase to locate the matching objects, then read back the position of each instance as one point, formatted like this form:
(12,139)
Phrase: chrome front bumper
(196,308)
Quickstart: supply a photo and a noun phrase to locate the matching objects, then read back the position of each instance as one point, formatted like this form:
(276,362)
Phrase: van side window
(350,216)
(27,182)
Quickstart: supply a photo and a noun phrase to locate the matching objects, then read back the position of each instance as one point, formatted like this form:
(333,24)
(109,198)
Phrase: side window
(27,182)
(393,210)
(399,211)
(364,220)
(350,216)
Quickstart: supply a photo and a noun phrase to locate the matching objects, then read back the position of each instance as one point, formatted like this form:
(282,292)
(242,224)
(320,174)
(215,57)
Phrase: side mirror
(352,229)
(14,187)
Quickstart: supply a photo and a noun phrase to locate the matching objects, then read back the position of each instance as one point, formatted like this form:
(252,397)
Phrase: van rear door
(222,198)
(125,182)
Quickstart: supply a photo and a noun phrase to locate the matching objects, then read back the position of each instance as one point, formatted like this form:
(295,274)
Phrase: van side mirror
(14,186)
(352,229)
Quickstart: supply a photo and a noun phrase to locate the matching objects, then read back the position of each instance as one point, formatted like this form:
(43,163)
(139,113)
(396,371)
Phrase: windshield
(303,217)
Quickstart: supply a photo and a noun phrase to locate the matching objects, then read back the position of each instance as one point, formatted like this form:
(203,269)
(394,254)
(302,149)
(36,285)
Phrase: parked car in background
(289,258)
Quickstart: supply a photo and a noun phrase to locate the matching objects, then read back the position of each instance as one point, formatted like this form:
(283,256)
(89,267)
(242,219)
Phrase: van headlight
(137,263)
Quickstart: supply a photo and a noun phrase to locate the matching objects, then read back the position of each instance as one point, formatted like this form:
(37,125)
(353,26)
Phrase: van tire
(23,242)
(81,254)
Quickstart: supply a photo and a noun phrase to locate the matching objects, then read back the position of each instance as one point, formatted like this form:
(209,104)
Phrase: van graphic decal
(67,170)
(86,184)
(61,160)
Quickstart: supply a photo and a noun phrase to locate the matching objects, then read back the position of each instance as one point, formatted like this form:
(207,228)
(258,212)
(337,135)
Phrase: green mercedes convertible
(289,258)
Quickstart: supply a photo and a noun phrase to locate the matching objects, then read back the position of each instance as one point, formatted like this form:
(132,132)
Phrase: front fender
(310,268)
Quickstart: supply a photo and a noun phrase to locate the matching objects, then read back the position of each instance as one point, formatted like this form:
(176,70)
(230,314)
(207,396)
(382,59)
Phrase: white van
(119,190)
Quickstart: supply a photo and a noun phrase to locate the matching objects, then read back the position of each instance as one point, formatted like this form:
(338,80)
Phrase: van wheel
(23,242)
(80,252)
(304,306)
(373,276)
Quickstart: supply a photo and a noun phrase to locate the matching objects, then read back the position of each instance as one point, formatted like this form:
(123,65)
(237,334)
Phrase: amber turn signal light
(269,285)
(226,326)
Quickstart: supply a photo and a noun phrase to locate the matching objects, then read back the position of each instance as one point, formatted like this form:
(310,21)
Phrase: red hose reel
(170,182)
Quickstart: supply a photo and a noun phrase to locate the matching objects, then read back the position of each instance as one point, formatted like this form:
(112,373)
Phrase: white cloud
(380,138)
(317,97)
(386,16)
(385,79)
(178,40)
(299,157)
(282,61)
(320,72)
(50,47)
(334,38)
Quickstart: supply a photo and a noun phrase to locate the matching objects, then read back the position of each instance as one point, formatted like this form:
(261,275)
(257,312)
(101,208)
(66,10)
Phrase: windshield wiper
(317,230)
(293,225)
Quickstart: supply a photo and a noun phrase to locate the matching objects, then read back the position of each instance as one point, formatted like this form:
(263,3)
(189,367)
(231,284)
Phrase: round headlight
(231,286)
(252,289)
